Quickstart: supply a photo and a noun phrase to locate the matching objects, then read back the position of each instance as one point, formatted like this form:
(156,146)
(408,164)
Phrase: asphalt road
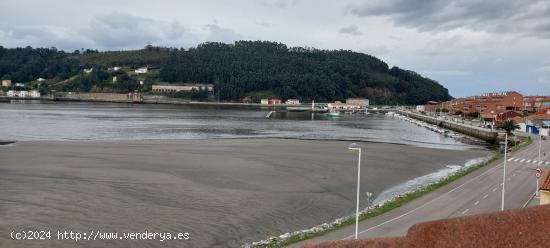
(478,192)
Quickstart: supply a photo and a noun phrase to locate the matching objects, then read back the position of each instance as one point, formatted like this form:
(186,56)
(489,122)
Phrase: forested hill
(245,68)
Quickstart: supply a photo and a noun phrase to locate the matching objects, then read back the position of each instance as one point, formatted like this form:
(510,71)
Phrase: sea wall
(477,132)
(101,97)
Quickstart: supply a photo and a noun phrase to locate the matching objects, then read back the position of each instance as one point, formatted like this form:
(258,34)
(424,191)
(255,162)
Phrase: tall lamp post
(356,148)
(539,164)
(504,170)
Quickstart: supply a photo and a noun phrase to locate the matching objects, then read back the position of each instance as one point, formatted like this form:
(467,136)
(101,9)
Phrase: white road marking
(429,202)
(477,202)
(528,161)
(510,159)
(485,196)
(516,159)
(522,160)
(465,211)
(535,161)
(514,174)
(547,163)
(495,189)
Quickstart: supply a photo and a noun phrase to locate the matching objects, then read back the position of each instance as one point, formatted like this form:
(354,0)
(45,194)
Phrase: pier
(488,135)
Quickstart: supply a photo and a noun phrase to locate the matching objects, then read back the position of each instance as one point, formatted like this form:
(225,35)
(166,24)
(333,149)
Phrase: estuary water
(34,120)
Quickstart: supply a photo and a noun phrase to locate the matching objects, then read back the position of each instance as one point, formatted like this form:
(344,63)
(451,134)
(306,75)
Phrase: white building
(11,93)
(22,93)
(34,93)
(292,101)
(141,70)
(420,108)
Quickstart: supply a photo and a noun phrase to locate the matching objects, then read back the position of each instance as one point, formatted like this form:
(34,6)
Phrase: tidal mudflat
(223,192)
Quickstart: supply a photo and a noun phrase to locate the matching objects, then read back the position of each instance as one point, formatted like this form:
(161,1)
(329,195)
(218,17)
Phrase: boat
(334,113)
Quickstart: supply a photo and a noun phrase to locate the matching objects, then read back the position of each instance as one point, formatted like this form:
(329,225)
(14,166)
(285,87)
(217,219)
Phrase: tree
(509,125)
(244,68)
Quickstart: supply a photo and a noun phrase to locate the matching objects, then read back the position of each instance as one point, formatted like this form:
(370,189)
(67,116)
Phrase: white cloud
(469,46)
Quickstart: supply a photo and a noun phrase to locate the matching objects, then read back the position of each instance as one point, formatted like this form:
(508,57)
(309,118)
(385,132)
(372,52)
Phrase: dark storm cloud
(511,16)
(351,29)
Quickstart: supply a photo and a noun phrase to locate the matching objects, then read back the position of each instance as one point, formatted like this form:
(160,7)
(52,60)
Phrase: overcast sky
(469,46)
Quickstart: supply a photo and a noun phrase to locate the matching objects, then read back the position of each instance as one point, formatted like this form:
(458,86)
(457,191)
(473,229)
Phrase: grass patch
(396,202)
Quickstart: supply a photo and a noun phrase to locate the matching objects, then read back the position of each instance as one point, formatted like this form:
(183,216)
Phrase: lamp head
(354,148)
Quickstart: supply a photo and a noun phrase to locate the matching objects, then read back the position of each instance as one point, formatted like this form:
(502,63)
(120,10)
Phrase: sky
(469,46)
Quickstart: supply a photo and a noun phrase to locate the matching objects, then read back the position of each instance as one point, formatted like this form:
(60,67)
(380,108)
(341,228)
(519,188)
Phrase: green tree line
(237,70)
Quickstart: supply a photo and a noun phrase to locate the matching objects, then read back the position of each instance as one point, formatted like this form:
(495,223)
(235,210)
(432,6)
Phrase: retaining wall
(477,132)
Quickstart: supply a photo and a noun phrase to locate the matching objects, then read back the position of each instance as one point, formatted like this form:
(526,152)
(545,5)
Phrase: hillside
(245,68)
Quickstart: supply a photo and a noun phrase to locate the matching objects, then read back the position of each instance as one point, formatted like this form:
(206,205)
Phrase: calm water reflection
(103,121)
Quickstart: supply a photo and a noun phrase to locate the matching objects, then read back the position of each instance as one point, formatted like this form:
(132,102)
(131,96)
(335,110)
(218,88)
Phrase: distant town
(488,110)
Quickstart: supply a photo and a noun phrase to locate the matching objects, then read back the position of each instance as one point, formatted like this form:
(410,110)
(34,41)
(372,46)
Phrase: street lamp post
(539,164)
(504,169)
(355,148)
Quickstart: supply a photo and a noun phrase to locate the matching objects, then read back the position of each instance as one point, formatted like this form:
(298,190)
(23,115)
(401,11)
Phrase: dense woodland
(245,68)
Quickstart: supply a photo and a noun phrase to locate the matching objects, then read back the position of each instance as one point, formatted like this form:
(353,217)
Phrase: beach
(223,192)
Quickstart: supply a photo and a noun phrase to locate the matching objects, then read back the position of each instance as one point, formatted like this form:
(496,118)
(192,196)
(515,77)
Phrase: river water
(106,121)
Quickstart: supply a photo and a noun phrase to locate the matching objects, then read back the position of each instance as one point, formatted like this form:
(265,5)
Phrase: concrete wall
(102,97)
(478,132)
(544,197)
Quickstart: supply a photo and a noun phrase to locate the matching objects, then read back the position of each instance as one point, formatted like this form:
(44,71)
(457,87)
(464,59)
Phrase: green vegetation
(509,126)
(23,65)
(149,56)
(200,94)
(399,201)
(243,69)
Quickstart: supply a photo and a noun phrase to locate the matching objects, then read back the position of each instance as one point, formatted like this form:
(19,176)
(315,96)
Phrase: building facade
(489,105)
(6,83)
(536,103)
(34,93)
(270,101)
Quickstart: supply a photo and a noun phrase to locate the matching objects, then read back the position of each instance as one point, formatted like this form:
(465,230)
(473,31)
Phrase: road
(478,192)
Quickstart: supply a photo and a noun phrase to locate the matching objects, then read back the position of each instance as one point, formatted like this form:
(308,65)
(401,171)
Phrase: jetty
(491,136)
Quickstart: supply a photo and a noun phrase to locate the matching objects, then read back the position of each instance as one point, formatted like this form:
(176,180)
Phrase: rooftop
(539,116)
(512,228)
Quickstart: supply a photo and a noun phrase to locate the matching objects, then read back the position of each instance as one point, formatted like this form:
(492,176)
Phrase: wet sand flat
(223,192)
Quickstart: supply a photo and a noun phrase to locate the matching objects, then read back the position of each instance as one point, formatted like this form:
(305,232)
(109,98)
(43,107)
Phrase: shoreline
(379,206)
(190,178)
